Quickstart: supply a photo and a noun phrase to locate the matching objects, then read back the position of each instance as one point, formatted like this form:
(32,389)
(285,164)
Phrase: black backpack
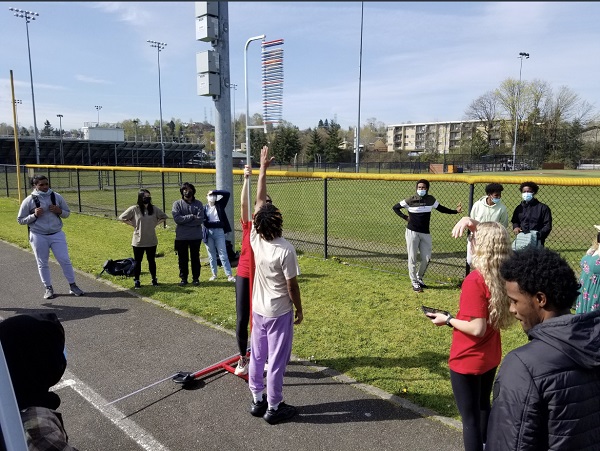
(123,267)
(36,201)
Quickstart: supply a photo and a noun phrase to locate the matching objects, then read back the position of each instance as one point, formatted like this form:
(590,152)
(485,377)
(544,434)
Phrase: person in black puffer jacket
(547,393)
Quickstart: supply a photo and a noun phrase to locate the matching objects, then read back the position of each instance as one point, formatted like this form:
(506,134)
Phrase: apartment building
(439,137)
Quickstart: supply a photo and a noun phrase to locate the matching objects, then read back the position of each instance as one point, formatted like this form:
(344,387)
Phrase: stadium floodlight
(98,108)
(29,16)
(159,46)
(514,159)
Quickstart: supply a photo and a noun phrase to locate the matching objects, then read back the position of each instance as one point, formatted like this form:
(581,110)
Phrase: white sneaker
(242,366)
(49,293)
(213,277)
(230,279)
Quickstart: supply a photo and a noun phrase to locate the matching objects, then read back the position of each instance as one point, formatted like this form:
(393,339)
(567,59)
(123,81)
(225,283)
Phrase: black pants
(138,255)
(182,247)
(242,309)
(472,394)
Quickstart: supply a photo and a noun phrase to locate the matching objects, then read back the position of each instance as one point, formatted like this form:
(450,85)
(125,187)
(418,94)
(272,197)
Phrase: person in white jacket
(489,208)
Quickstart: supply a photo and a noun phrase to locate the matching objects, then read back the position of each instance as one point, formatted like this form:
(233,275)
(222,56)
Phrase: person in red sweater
(476,351)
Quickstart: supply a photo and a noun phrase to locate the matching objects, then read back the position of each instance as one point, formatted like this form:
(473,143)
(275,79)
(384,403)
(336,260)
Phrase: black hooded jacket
(533,215)
(547,392)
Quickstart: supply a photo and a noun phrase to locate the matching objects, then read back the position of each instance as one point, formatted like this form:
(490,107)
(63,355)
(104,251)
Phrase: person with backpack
(144,217)
(188,214)
(42,211)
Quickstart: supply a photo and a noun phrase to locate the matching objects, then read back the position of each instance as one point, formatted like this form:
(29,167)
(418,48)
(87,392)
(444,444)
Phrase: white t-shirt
(276,263)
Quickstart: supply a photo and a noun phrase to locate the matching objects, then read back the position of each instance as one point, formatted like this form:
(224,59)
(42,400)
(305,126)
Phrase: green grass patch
(364,323)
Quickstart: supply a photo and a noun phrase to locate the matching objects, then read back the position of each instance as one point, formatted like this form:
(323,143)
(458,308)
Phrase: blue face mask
(496,200)
(527,196)
(421,192)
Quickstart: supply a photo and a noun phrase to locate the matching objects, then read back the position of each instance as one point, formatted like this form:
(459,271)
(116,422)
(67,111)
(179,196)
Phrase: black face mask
(147,200)
(188,194)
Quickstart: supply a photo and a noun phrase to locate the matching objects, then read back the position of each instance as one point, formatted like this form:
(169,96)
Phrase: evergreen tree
(286,144)
(326,124)
(258,139)
(333,143)
(48,130)
(315,146)
(320,124)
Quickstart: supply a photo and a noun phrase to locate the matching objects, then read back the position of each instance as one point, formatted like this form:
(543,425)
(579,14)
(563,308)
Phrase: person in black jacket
(547,392)
(531,214)
(216,225)
(418,238)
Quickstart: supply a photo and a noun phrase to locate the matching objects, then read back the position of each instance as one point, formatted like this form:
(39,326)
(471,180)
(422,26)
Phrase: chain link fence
(346,216)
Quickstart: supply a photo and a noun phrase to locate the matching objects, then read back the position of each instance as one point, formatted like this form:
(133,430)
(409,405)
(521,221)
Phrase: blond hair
(492,248)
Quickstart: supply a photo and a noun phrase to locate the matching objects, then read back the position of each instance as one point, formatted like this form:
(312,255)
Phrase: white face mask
(421,192)
(527,196)
(211,199)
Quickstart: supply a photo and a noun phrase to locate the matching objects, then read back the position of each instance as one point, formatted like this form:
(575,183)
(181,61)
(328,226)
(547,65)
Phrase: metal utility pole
(29,16)
(357,148)
(62,158)
(160,46)
(521,55)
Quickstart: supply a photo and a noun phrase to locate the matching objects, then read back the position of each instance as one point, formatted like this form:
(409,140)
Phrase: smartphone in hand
(427,310)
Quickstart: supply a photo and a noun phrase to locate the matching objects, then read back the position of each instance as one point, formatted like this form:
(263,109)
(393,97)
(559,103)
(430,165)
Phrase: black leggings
(138,255)
(472,394)
(242,309)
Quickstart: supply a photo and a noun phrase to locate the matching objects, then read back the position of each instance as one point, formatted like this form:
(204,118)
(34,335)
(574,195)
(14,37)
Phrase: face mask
(496,200)
(421,192)
(527,196)
(188,194)
(211,199)
(147,200)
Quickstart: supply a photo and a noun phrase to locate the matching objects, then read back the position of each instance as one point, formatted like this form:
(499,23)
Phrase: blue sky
(422,61)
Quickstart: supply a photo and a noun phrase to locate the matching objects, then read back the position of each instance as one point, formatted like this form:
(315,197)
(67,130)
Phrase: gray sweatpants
(417,242)
(41,245)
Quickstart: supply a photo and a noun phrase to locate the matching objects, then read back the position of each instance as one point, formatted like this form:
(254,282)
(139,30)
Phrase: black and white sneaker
(283,412)
(417,287)
(421,283)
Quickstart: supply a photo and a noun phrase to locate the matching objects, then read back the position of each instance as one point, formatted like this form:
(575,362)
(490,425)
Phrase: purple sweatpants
(271,338)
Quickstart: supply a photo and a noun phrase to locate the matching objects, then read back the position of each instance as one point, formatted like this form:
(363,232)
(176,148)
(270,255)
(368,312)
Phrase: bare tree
(484,109)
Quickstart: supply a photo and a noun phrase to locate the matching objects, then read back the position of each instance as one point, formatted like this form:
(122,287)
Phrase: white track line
(129,427)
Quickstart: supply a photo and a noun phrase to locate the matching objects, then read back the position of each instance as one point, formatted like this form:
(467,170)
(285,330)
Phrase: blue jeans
(216,243)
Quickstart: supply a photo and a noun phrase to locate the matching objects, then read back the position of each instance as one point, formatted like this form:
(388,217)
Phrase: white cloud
(87,79)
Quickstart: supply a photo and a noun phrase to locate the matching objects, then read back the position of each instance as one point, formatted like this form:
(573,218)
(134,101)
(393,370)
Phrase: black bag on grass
(123,267)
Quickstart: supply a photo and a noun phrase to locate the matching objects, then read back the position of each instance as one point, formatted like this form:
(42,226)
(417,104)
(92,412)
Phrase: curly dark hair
(540,270)
(534,186)
(268,222)
(493,188)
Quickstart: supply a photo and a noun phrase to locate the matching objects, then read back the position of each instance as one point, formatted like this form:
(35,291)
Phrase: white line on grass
(129,427)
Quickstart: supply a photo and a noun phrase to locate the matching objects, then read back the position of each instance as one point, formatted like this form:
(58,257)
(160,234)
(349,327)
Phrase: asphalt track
(118,342)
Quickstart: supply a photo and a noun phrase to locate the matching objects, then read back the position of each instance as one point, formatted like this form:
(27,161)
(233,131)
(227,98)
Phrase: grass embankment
(364,323)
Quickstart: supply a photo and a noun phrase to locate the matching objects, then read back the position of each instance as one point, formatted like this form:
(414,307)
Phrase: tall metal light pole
(135,123)
(17,102)
(521,55)
(62,157)
(29,16)
(234,86)
(98,108)
(357,148)
(159,46)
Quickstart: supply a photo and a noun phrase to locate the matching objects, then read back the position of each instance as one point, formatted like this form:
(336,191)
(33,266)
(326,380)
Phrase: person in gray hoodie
(547,393)
(42,212)
(188,214)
